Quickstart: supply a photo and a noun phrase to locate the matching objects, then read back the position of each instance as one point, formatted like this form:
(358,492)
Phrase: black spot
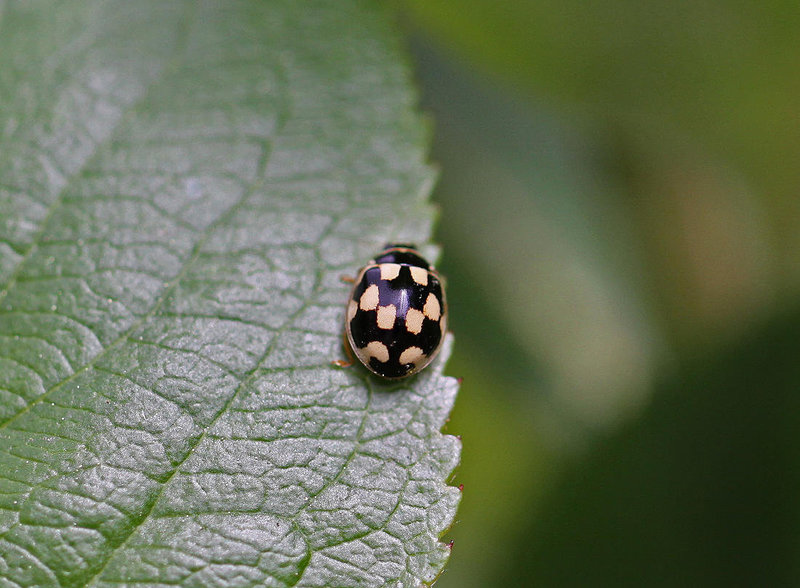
(390,369)
(403,257)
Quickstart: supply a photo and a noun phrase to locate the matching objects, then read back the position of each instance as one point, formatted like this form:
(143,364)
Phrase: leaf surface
(182,184)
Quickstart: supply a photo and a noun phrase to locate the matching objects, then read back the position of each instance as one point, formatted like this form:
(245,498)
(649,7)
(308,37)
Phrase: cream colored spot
(386,316)
(420,275)
(414,320)
(411,355)
(389,271)
(432,309)
(377,350)
(352,309)
(369,299)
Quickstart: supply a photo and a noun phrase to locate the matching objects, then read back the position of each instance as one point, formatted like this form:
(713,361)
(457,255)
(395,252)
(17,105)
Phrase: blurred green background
(621,234)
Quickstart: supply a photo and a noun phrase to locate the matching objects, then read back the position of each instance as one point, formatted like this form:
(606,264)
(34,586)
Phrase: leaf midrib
(196,251)
(170,67)
(243,383)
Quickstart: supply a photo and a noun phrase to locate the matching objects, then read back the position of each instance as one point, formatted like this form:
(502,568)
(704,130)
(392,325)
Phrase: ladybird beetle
(397,313)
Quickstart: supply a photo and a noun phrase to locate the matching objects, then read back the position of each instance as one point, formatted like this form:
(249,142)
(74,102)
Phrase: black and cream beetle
(397,313)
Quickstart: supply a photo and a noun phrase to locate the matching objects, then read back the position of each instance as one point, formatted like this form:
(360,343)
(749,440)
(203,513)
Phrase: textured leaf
(181,186)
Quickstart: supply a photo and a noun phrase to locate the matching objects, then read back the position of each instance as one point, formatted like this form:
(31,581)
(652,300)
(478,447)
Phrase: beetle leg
(345,363)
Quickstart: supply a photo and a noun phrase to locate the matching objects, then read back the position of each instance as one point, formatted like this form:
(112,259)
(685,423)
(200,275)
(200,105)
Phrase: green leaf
(182,184)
